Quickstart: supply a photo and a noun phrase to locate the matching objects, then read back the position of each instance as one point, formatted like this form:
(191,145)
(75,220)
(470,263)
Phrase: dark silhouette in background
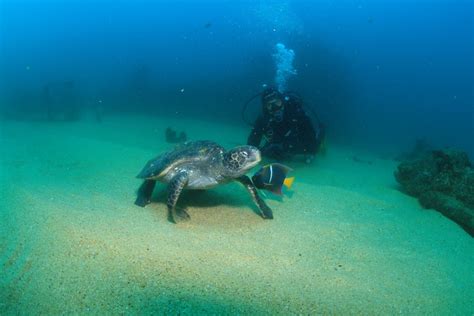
(171,136)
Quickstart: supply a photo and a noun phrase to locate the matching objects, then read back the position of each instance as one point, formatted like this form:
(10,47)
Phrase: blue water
(377,72)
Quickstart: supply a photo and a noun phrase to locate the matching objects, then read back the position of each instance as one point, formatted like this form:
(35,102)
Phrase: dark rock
(171,136)
(451,208)
(442,180)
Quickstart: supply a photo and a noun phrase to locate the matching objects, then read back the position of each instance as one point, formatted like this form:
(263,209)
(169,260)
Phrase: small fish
(272,178)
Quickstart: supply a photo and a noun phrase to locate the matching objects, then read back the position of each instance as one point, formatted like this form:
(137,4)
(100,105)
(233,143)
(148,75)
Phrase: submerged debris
(172,136)
(442,180)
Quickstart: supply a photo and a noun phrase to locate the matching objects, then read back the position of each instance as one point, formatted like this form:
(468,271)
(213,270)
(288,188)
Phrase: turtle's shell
(203,156)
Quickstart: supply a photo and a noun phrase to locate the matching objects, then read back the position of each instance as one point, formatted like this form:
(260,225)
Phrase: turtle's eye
(245,154)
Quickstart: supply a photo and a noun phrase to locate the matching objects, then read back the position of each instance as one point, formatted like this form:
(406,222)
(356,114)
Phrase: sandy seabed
(344,240)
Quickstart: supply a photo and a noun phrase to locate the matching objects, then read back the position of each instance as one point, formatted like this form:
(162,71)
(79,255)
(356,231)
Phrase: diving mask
(277,116)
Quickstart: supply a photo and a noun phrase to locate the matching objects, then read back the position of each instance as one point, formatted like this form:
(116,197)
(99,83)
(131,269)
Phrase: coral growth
(442,180)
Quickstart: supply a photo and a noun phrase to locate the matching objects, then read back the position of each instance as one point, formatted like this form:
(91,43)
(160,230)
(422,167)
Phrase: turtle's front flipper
(265,210)
(174,190)
(144,193)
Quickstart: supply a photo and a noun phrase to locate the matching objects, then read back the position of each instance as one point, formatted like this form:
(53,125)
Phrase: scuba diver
(285,128)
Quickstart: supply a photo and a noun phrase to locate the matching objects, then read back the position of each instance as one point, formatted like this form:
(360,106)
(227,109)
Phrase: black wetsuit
(292,133)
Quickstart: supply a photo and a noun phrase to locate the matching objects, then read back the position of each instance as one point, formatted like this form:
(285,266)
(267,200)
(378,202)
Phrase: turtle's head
(239,160)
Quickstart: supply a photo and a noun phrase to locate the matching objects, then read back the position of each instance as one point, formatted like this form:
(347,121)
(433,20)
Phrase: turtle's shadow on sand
(238,197)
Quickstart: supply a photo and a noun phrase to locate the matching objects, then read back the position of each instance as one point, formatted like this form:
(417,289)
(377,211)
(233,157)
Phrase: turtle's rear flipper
(174,190)
(265,210)
(144,193)
(178,215)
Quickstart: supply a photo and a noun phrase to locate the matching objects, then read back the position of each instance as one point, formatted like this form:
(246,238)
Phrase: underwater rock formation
(442,180)
(171,136)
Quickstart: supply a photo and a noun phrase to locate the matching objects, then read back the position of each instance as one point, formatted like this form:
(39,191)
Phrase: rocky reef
(442,180)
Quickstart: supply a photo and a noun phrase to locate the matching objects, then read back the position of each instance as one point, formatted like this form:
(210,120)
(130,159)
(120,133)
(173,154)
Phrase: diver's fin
(288,182)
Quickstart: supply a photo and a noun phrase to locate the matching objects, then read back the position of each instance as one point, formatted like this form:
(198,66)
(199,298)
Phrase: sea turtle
(199,165)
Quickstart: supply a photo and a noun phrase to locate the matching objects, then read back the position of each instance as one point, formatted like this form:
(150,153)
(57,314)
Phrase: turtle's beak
(257,157)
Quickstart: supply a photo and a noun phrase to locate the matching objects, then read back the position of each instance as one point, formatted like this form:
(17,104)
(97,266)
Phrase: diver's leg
(174,190)
(144,193)
(265,210)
